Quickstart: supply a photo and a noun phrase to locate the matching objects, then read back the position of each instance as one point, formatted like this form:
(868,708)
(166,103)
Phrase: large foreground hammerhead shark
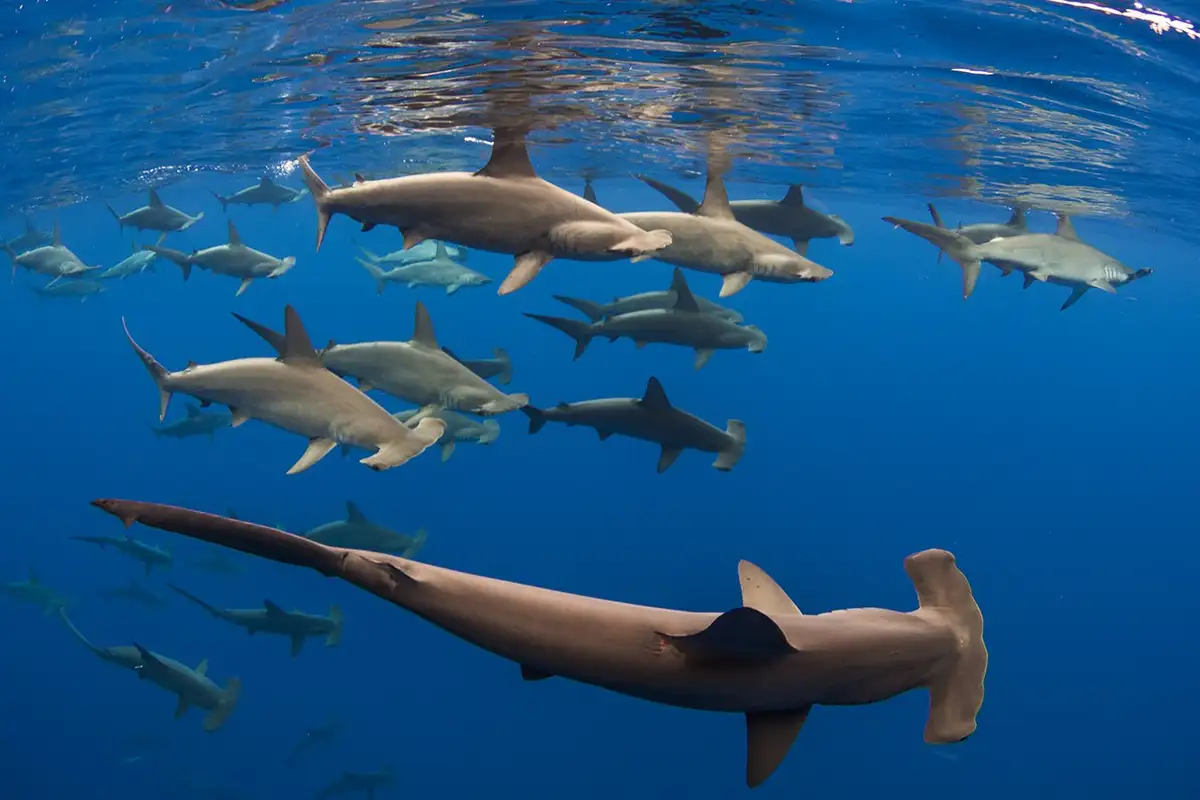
(764,658)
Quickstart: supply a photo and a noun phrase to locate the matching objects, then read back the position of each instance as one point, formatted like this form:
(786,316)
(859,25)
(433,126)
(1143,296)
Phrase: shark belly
(699,243)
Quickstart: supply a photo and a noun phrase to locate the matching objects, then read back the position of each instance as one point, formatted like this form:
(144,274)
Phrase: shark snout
(1141,273)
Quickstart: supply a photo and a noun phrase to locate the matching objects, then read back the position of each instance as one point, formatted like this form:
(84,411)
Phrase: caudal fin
(733,453)
(581,332)
(504,376)
(229,697)
(157,371)
(537,419)
(375,272)
(335,636)
(320,195)
(223,200)
(952,243)
(177,257)
(417,441)
(955,690)
(116,216)
(593,311)
(414,547)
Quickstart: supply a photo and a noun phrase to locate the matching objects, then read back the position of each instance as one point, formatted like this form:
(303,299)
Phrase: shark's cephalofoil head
(478,280)
(1141,273)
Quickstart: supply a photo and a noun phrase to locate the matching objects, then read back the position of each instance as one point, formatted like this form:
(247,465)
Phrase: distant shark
(296,393)
(1060,258)
(364,783)
(500,366)
(155,216)
(233,259)
(424,251)
(358,532)
(137,262)
(53,260)
(459,428)
(149,555)
(81,288)
(295,625)
(644,301)
(196,422)
(764,658)
(191,686)
(503,208)
(315,736)
(33,591)
(136,593)
(266,192)
(440,271)
(651,418)
(27,240)
(788,217)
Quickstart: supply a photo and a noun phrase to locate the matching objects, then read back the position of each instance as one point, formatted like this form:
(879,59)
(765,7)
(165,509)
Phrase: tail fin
(62,613)
(12,254)
(581,332)
(216,718)
(376,273)
(504,377)
(727,458)
(370,256)
(418,440)
(157,371)
(320,194)
(216,612)
(335,636)
(593,311)
(952,243)
(224,200)
(537,420)
(956,691)
(683,201)
(116,216)
(178,257)
(414,547)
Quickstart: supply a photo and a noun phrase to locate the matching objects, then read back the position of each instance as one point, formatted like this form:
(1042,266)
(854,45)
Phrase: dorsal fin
(192,410)
(423,327)
(266,181)
(234,239)
(57,235)
(742,636)
(794,196)
(155,201)
(684,299)
(716,202)
(297,345)
(273,608)
(510,157)
(655,399)
(353,514)
(440,251)
(1017,220)
(33,576)
(1066,229)
(358,178)
(202,668)
(762,593)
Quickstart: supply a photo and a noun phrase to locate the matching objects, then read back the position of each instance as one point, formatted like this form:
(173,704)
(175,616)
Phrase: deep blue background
(1052,452)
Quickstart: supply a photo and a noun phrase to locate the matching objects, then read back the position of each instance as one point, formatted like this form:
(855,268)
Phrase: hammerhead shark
(266,192)
(788,217)
(233,258)
(503,208)
(29,239)
(192,686)
(296,625)
(296,393)
(685,324)
(34,592)
(1060,257)
(651,418)
(314,737)
(499,366)
(440,271)
(644,301)
(150,555)
(764,659)
(358,532)
(366,783)
(195,422)
(54,260)
(155,216)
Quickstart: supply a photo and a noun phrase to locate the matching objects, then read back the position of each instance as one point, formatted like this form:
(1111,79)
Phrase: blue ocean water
(1050,451)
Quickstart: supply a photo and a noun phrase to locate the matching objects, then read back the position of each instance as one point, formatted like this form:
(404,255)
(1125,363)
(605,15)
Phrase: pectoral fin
(1103,286)
(317,449)
(447,450)
(181,707)
(239,417)
(297,645)
(1076,293)
(525,269)
(733,283)
(769,736)
(245,285)
(702,357)
(533,673)
(669,454)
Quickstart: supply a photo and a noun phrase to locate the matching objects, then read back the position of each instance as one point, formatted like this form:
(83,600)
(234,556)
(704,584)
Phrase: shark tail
(593,311)
(581,332)
(420,438)
(182,259)
(216,612)
(537,419)
(116,216)
(955,692)
(376,273)
(222,199)
(504,377)
(157,371)
(733,454)
(683,201)
(62,613)
(952,243)
(92,540)
(229,697)
(335,635)
(418,541)
(320,194)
